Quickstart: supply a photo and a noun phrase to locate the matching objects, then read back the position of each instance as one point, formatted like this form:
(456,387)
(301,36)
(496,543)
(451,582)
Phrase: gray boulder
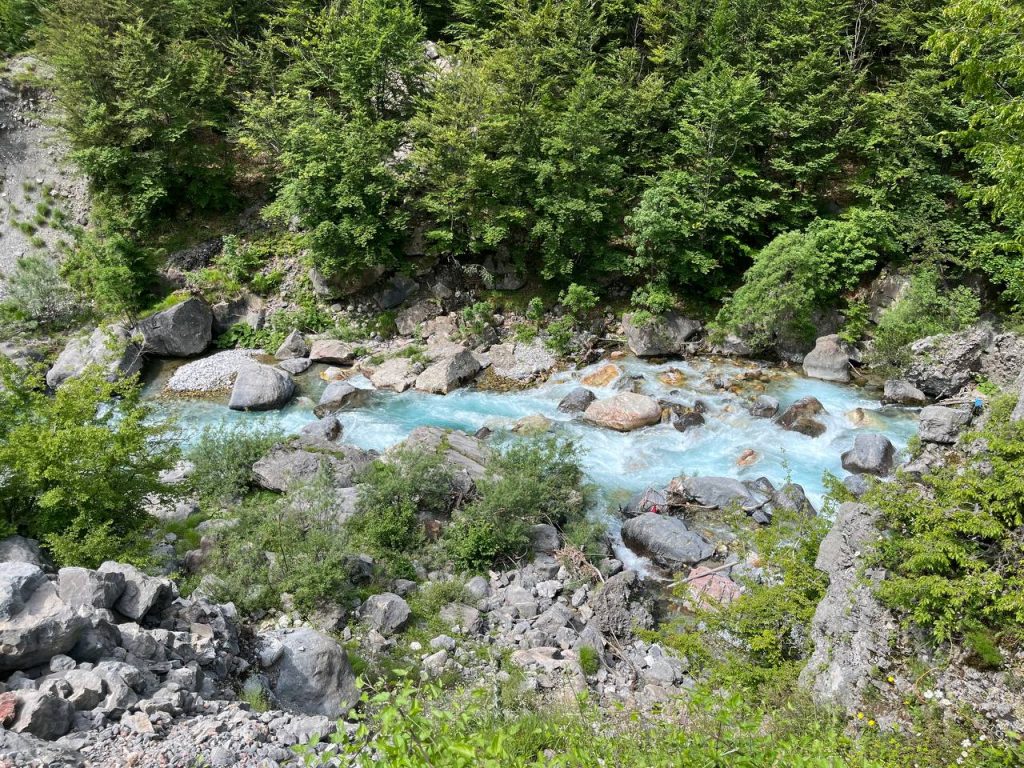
(43,715)
(943,365)
(792,497)
(829,360)
(35,624)
(764,407)
(666,540)
(111,350)
(411,318)
(387,613)
(183,330)
(396,374)
(799,417)
(621,606)
(296,365)
(260,388)
(83,588)
(338,395)
(545,538)
(939,424)
(448,373)
(18,549)
(661,335)
(903,392)
(850,630)
(142,593)
(332,351)
(687,420)
(519,361)
(624,412)
(870,455)
(577,401)
(324,430)
(292,347)
(310,674)
(290,465)
(713,493)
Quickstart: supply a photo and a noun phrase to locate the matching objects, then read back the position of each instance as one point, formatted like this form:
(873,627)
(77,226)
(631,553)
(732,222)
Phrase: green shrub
(559,335)
(223,458)
(18,19)
(38,297)
(578,300)
(590,660)
(78,466)
(113,271)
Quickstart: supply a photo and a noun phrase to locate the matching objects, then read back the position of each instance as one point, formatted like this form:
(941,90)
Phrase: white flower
(966,743)
(945,702)
(928,695)
(983,737)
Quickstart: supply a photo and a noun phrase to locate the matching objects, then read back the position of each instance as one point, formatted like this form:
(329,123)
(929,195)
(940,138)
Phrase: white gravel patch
(215,373)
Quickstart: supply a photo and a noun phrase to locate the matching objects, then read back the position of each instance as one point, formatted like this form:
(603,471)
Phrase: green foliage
(953,548)
(578,300)
(924,310)
(223,458)
(18,20)
(37,297)
(113,271)
(527,482)
(394,494)
(590,660)
(77,465)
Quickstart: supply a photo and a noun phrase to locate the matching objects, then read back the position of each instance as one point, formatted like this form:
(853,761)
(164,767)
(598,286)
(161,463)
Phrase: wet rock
(387,613)
(35,624)
(326,429)
(799,417)
(535,424)
(624,412)
(687,420)
(713,493)
(183,330)
(396,374)
(829,360)
(332,351)
(747,458)
(260,388)
(939,424)
(666,540)
(621,606)
(311,674)
(292,347)
(659,335)
(109,349)
(903,392)
(337,396)
(603,376)
(577,401)
(764,407)
(448,373)
(870,455)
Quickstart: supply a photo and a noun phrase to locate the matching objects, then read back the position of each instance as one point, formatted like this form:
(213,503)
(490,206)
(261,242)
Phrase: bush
(113,271)
(37,297)
(78,465)
(393,495)
(526,483)
(18,19)
(223,459)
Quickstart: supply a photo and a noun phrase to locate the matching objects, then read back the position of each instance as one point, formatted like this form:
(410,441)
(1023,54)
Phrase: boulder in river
(666,540)
(183,330)
(939,424)
(260,387)
(687,420)
(338,395)
(902,392)
(332,351)
(713,493)
(396,374)
(111,349)
(292,347)
(870,455)
(449,372)
(799,417)
(624,412)
(603,376)
(308,672)
(577,400)
(659,334)
(829,360)
(764,407)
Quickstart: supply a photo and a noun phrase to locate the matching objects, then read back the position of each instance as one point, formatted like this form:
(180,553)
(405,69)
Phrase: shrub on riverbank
(223,459)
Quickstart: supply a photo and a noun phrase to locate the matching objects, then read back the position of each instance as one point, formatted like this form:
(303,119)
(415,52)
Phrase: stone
(395,292)
(396,374)
(941,366)
(799,417)
(312,675)
(659,335)
(261,388)
(713,493)
(338,395)
(850,630)
(183,330)
(296,365)
(387,613)
(87,689)
(792,497)
(448,373)
(688,420)
(465,456)
(545,538)
(709,589)
(903,392)
(603,376)
(112,350)
(18,549)
(459,616)
(294,346)
(939,424)
(345,283)
(624,412)
(535,424)
(43,715)
(332,351)
(324,430)
(289,465)
(577,401)
(829,360)
(764,407)
(478,588)
(870,455)
(141,593)
(35,624)
(412,318)
(434,664)
(621,606)
(666,540)
(521,361)
(81,587)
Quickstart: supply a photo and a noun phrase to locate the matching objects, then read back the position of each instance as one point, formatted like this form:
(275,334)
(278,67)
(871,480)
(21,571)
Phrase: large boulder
(577,401)
(622,606)
(260,387)
(142,593)
(666,540)
(658,335)
(292,347)
(939,424)
(111,350)
(465,456)
(901,392)
(448,373)
(396,374)
(943,365)
(624,412)
(183,330)
(293,464)
(338,395)
(84,588)
(1003,359)
(850,630)
(35,624)
(829,360)
(412,318)
(800,417)
(18,549)
(308,672)
(43,715)
(519,361)
(387,613)
(332,351)
(713,493)
(870,455)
